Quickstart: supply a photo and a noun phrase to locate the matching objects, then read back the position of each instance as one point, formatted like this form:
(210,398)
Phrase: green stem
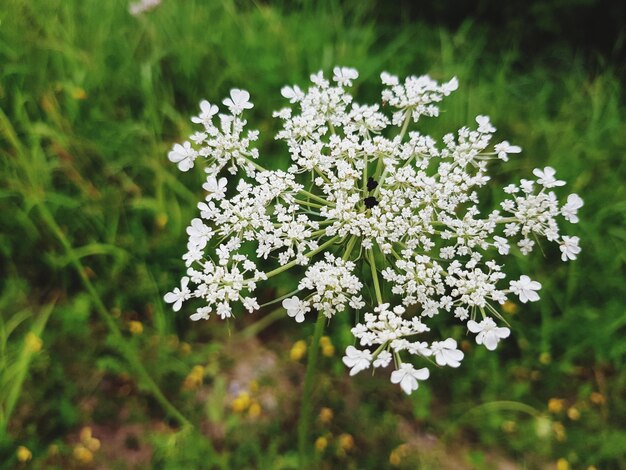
(263,323)
(308,203)
(385,169)
(126,348)
(291,264)
(407,120)
(349,247)
(304,421)
(379,297)
(316,198)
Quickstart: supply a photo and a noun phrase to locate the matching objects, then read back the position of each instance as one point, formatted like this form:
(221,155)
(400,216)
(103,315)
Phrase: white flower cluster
(366,200)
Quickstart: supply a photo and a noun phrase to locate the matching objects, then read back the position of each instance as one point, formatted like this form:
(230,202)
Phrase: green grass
(91,99)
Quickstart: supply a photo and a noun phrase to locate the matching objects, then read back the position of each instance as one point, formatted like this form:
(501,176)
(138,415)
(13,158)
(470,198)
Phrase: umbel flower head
(373,214)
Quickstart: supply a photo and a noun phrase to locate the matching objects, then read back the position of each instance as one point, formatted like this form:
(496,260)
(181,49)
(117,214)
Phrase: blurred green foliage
(91,99)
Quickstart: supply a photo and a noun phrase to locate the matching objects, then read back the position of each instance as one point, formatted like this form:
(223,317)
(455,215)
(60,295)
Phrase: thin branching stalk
(307,404)
(126,349)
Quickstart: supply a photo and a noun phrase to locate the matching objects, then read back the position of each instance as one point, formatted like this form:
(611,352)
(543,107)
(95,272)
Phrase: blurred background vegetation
(93,219)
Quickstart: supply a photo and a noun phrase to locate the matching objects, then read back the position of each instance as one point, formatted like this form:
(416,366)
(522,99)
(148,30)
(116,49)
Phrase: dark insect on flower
(371,184)
(370,202)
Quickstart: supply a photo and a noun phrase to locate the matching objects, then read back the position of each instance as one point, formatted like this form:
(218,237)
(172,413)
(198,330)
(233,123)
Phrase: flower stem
(291,264)
(379,297)
(126,349)
(304,421)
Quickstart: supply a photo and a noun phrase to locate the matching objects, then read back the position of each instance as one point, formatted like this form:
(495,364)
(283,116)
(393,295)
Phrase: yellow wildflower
(160,220)
(78,93)
(597,398)
(185,348)
(556,405)
(397,454)
(33,342)
(82,454)
(321,443)
(346,442)
(326,415)
(24,454)
(545,358)
(509,426)
(241,403)
(255,410)
(298,350)
(562,464)
(88,440)
(510,307)
(194,378)
(573,414)
(135,327)
(559,431)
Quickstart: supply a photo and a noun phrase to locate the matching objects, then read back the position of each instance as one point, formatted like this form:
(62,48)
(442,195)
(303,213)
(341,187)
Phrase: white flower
(546,177)
(238,101)
(333,285)
(293,94)
(407,376)
(503,149)
(295,308)
(502,245)
(216,188)
(201,314)
(183,155)
(178,296)
(461,313)
(143,6)
(446,353)
(526,289)
(420,220)
(570,209)
(388,79)
(344,75)
(489,333)
(250,304)
(569,248)
(206,116)
(383,359)
(199,234)
(357,360)
(484,125)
